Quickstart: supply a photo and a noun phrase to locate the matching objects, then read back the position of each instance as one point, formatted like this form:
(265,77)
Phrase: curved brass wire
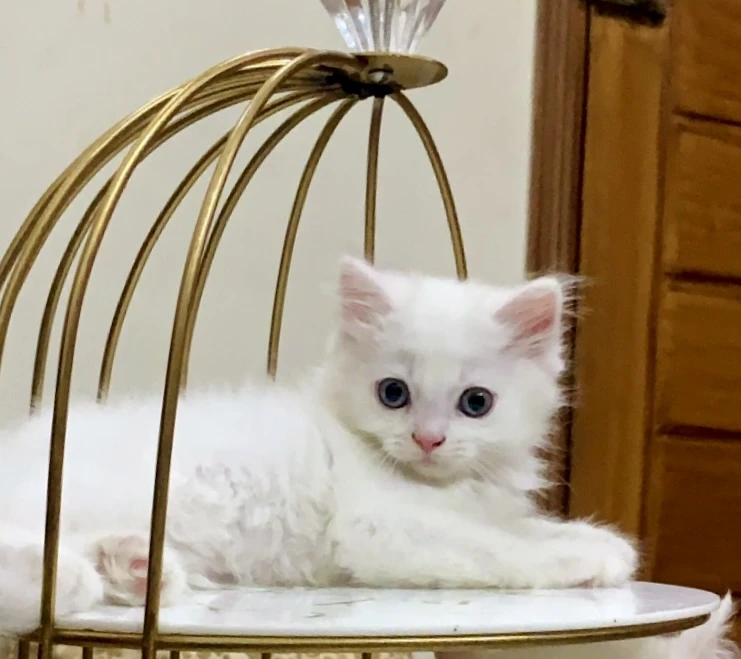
(68,184)
(185,308)
(371,185)
(443,183)
(15,267)
(88,162)
(21,237)
(25,234)
(221,97)
(221,100)
(69,337)
(158,227)
(231,203)
(140,261)
(55,292)
(281,285)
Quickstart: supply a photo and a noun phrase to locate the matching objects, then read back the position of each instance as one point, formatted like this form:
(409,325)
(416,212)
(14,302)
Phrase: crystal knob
(389,26)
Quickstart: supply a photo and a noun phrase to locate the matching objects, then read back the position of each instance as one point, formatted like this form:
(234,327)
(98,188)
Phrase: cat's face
(448,379)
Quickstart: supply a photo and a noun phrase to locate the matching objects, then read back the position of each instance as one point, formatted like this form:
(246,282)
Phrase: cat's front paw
(617,565)
(605,559)
(123,562)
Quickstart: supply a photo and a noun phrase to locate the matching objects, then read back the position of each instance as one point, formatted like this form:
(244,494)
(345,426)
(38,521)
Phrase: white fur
(320,484)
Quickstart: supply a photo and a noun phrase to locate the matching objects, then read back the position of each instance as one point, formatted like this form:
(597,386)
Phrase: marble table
(281,620)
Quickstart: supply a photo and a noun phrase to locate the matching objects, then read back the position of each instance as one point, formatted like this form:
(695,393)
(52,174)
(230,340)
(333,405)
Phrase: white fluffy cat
(408,459)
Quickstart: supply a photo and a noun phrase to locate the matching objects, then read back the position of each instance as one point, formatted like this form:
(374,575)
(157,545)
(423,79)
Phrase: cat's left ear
(363,298)
(534,315)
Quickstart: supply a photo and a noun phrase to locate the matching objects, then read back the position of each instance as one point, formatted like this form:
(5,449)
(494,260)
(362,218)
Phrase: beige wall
(70,68)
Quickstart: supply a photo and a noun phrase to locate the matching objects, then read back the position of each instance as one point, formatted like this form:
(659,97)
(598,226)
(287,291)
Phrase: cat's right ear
(363,299)
(533,316)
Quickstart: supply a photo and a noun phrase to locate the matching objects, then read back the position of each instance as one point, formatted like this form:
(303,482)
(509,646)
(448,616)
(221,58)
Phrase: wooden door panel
(693,530)
(702,215)
(698,361)
(706,57)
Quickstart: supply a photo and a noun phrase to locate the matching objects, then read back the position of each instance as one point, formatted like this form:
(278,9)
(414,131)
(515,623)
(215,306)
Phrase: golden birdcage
(299,81)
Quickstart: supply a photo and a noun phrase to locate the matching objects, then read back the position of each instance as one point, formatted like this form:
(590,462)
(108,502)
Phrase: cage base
(368,620)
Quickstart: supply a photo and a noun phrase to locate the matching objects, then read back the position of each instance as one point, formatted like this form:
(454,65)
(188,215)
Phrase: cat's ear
(534,316)
(364,301)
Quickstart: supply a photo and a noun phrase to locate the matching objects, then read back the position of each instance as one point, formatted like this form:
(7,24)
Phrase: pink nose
(428,443)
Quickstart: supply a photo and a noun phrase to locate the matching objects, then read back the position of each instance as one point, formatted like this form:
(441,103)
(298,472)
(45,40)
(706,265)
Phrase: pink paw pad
(123,562)
(138,568)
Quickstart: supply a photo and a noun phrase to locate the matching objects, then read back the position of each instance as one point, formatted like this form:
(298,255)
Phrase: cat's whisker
(486,472)
(388,461)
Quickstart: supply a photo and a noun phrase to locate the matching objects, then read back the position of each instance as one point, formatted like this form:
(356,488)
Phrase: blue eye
(476,402)
(393,393)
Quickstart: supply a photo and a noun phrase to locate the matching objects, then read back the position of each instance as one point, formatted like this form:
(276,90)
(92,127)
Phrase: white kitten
(409,459)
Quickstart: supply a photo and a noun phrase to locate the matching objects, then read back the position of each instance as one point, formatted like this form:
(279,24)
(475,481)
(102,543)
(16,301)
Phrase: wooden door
(655,444)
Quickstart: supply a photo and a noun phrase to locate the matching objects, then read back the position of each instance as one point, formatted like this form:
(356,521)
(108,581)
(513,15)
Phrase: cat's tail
(708,641)
(79,586)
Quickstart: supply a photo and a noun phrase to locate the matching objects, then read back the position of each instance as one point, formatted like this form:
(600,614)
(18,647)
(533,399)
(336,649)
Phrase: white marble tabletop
(397,613)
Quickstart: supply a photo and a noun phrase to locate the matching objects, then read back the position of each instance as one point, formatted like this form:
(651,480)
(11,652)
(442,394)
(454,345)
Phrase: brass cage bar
(443,183)
(281,285)
(371,184)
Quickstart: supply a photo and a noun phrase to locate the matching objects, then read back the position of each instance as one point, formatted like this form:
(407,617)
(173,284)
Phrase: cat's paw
(604,560)
(616,566)
(123,562)
(620,559)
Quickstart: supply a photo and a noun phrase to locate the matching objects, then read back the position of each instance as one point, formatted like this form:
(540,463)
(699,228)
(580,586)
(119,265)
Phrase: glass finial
(394,26)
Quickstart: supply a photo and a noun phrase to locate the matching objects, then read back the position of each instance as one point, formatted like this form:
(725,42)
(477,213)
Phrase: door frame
(559,112)
(558,129)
